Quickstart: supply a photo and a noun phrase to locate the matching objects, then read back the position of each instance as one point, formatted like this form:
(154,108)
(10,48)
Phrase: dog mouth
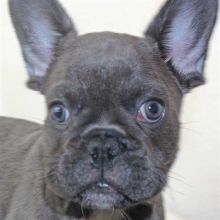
(103,195)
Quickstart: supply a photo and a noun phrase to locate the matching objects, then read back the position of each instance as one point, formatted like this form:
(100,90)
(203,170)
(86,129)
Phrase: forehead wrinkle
(105,74)
(64,89)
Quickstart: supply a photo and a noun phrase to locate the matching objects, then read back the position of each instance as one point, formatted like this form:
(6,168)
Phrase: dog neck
(107,214)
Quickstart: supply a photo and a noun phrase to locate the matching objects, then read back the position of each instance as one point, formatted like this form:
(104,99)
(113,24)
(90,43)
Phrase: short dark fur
(52,171)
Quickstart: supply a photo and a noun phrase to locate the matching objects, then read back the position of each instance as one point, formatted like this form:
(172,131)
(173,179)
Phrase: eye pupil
(59,113)
(153,108)
(151,111)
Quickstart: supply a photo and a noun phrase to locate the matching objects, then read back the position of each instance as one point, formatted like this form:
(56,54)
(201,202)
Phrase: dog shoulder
(16,138)
(11,126)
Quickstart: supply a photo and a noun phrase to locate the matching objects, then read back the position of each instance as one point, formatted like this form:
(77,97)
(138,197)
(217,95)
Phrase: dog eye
(59,113)
(151,111)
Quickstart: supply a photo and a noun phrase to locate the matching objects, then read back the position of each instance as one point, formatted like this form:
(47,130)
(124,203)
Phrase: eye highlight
(151,111)
(59,113)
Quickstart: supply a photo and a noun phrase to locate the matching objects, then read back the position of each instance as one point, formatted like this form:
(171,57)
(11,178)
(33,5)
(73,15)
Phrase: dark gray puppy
(111,134)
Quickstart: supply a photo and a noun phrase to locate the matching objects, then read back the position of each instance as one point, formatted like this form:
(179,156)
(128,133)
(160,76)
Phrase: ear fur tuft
(182,30)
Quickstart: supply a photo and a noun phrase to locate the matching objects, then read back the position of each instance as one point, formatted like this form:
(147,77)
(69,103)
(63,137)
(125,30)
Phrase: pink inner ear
(39,54)
(39,25)
(182,48)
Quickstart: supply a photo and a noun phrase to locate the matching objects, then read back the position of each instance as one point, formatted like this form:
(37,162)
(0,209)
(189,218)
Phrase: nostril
(112,152)
(124,142)
(95,153)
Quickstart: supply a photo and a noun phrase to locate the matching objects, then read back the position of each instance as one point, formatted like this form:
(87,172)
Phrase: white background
(193,191)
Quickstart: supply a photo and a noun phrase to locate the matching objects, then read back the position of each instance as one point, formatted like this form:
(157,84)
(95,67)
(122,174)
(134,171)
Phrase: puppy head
(113,100)
(113,121)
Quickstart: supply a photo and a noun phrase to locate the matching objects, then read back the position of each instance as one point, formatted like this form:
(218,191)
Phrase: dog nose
(105,145)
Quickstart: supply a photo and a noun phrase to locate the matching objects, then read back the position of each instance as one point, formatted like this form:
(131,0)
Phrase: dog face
(113,100)
(110,120)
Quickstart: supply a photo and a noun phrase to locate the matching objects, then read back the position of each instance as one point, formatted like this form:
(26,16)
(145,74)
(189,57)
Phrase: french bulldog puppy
(113,100)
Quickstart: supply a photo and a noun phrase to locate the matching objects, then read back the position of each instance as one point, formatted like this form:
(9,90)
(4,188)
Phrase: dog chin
(103,198)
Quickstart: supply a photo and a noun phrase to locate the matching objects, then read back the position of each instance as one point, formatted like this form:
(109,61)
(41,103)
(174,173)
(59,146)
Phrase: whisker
(125,214)
(121,213)
(47,175)
(177,174)
(112,213)
(81,206)
(191,130)
(190,122)
(180,180)
(171,190)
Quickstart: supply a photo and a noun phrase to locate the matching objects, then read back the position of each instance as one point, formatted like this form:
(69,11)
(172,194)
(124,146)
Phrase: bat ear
(182,30)
(40,25)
